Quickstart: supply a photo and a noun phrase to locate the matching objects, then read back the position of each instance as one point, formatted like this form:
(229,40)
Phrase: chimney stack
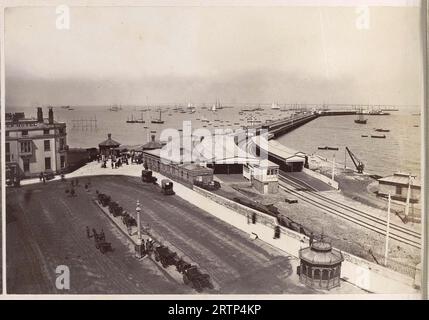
(39,115)
(51,116)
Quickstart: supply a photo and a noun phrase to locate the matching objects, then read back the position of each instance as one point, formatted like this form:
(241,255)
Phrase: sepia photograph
(214,149)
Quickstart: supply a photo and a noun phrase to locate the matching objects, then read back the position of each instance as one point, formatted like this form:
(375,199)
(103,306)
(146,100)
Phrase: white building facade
(35,145)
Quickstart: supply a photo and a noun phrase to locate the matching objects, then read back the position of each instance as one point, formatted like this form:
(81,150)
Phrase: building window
(63,161)
(48,163)
(24,132)
(47,145)
(62,144)
(25,146)
(45,131)
(398,190)
(7,157)
(7,133)
(26,164)
(7,148)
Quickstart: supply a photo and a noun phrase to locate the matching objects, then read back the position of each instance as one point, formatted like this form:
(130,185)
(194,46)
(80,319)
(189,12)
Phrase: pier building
(188,173)
(35,145)
(398,185)
(263,176)
(288,160)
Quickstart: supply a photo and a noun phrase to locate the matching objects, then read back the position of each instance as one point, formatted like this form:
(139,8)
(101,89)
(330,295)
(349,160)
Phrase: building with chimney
(35,145)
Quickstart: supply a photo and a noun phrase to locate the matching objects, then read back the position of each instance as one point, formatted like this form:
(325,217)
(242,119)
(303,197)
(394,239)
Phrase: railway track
(359,217)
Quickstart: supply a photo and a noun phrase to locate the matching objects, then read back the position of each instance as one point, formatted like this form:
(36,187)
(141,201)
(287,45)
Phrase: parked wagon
(147,176)
(197,280)
(167,187)
(182,265)
(115,209)
(128,220)
(164,255)
(104,199)
(100,242)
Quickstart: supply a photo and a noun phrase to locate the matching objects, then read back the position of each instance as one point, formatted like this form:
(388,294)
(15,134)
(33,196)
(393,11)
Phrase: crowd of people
(117,160)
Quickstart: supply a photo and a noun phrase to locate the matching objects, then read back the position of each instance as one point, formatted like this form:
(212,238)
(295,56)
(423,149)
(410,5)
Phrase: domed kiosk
(107,147)
(320,266)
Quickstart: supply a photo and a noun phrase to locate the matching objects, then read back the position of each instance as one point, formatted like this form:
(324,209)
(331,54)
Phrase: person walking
(311,239)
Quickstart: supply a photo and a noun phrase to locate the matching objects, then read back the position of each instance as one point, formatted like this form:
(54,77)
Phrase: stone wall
(321,177)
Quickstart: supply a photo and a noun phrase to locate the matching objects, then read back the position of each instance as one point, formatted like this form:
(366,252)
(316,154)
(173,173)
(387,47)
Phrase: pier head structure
(35,145)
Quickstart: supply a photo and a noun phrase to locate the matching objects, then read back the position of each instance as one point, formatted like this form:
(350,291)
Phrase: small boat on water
(328,148)
(159,120)
(416,126)
(115,108)
(361,120)
(378,136)
(364,136)
(382,130)
(378,113)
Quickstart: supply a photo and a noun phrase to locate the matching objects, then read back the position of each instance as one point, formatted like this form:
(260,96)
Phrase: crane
(358,164)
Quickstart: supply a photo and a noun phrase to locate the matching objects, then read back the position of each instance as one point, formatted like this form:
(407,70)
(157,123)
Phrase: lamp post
(138,247)
(138,210)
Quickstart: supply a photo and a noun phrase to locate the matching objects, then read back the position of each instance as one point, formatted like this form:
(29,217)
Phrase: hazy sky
(238,54)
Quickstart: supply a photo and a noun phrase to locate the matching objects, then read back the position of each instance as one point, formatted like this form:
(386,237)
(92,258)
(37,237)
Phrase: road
(46,228)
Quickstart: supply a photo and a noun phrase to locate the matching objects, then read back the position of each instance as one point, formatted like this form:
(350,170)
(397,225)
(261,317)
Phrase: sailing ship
(141,119)
(131,120)
(159,120)
(275,106)
(360,119)
(216,106)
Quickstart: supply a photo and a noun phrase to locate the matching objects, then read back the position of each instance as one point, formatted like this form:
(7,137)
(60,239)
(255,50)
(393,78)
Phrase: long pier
(282,126)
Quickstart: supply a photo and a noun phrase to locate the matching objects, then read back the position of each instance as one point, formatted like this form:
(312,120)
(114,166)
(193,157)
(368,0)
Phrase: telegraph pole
(386,249)
(407,205)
